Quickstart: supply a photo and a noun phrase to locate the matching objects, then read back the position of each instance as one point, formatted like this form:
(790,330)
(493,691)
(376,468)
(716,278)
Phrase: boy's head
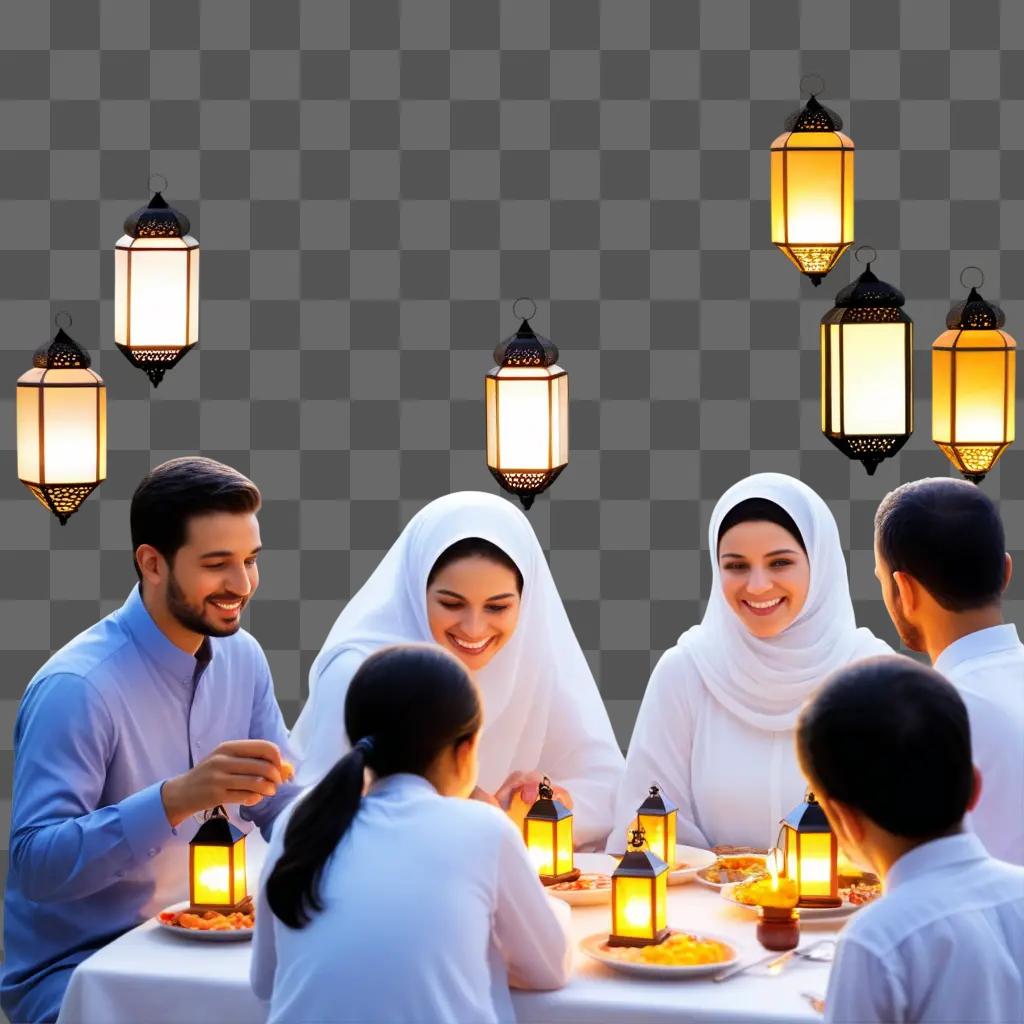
(195,538)
(939,550)
(886,748)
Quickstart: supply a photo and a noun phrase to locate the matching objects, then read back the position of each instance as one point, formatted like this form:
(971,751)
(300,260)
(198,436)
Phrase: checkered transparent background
(374,182)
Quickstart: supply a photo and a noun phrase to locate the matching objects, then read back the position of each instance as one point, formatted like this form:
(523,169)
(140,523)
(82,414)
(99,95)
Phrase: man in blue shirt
(160,711)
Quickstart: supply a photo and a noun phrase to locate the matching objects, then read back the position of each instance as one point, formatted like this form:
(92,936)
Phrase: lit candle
(778,920)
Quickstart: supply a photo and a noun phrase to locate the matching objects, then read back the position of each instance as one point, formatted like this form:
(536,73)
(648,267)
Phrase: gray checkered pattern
(373,182)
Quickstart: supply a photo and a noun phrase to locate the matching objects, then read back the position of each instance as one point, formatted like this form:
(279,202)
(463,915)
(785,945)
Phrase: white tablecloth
(151,977)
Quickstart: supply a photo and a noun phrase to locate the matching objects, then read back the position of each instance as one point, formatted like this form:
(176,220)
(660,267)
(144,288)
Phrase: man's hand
(527,784)
(483,796)
(237,772)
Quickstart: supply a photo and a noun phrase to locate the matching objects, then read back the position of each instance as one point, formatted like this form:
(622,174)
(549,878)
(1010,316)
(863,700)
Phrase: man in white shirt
(940,556)
(886,746)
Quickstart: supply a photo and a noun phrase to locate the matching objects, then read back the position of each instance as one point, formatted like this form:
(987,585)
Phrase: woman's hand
(484,797)
(526,784)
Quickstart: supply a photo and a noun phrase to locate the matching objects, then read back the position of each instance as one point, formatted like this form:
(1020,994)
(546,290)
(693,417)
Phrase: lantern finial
(637,837)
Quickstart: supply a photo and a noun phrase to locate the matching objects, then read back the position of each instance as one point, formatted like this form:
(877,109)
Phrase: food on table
(680,949)
(732,851)
(210,920)
(587,882)
(734,869)
(861,890)
(758,891)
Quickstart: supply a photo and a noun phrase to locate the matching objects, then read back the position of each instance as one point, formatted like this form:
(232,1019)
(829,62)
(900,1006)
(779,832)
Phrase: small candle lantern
(547,830)
(657,817)
(216,875)
(812,188)
(639,896)
(62,425)
(778,920)
(156,288)
(974,366)
(527,400)
(810,852)
(867,380)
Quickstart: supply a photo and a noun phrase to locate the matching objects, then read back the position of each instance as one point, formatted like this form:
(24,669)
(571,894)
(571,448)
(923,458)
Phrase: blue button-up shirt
(103,724)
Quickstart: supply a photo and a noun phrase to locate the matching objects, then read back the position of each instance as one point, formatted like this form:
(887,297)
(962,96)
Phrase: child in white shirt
(406,903)
(886,746)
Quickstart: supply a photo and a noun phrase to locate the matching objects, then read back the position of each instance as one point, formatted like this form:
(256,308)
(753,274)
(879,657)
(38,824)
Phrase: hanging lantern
(810,852)
(974,366)
(547,830)
(156,288)
(216,875)
(867,379)
(657,818)
(62,425)
(812,188)
(527,397)
(639,896)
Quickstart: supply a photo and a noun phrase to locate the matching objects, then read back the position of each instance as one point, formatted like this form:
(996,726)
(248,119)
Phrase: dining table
(152,976)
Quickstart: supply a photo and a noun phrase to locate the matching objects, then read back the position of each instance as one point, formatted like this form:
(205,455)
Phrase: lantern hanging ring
(812,83)
(527,316)
(65,322)
(156,176)
(979,277)
(866,254)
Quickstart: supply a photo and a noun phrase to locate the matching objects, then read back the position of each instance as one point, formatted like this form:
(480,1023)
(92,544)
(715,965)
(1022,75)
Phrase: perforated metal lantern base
(526,484)
(870,449)
(155,362)
(973,461)
(62,500)
(623,940)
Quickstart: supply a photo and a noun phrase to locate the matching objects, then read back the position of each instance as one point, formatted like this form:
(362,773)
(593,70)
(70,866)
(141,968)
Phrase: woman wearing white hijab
(543,714)
(715,730)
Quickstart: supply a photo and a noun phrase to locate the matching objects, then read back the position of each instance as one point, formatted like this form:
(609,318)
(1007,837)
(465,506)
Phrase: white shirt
(944,944)
(732,781)
(431,909)
(987,668)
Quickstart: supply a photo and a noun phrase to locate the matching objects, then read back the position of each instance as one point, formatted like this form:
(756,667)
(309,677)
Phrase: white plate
(235,935)
(583,897)
(695,858)
(593,946)
(806,913)
(721,885)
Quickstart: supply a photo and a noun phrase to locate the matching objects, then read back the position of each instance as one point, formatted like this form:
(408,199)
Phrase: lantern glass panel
(491,397)
(156,286)
(942,394)
(239,863)
(211,876)
(563,833)
(28,432)
(633,907)
(791,861)
(660,901)
(873,378)
(812,189)
(560,418)
(523,418)
(660,832)
(815,864)
(540,842)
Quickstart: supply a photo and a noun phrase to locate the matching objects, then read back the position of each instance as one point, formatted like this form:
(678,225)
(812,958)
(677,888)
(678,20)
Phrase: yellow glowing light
(527,418)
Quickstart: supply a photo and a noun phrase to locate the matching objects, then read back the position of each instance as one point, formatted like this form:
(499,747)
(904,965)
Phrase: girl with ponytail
(408,902)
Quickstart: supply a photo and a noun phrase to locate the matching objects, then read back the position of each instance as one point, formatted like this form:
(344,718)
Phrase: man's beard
(910,635)
(191,618)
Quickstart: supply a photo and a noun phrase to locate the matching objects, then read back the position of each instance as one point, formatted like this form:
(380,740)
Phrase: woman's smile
(472,647)
(763,607)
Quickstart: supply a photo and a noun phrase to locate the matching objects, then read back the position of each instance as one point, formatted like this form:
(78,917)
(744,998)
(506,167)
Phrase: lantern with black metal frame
(810,854)
(547,832)
(867,369)
(639,896)
(216,865)
(657,816)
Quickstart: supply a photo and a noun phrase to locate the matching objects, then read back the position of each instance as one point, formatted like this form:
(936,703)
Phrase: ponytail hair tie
(365,744)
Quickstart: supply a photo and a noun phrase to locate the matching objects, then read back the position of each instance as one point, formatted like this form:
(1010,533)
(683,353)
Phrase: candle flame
(773,868)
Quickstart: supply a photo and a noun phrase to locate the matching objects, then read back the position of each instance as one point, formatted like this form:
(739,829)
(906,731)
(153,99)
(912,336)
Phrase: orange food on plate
(758,890)
(585,883)
(680,949)
(210,920)
(734,869)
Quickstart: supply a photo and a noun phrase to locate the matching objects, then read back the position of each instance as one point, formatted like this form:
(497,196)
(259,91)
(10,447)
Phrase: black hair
(890,737)
(947,534)
(175,492)
(475,547)
(760,510)
(406,704)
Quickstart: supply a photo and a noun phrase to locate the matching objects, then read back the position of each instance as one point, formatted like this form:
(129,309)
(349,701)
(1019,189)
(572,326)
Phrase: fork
(774,960)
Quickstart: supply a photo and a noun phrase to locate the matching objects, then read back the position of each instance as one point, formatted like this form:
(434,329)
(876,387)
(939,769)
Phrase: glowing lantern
(657,818)
(62,426)
(547,830)
(974,366)
(812,189)
(216,873)
(810,852)
(867,380)
(156,288)
(527,398)
(639,896)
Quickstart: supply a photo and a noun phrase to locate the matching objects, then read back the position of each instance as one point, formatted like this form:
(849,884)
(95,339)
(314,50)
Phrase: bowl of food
(682,955)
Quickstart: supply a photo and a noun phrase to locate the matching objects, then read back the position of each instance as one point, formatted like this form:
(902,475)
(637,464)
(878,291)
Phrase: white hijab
(764,682)
(530,684)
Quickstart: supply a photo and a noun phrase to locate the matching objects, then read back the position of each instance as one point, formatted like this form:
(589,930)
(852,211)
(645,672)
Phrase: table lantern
(810,852)
(639,896)
(974,367)
(527,400)
(657,817)
(216,874)
(156,288)
(867,380)
(547,830)
(62,425)
(812,188)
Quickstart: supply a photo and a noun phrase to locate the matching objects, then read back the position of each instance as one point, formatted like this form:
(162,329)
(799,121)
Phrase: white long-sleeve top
(944,944)
(431,910)
(732,781)
(987,668)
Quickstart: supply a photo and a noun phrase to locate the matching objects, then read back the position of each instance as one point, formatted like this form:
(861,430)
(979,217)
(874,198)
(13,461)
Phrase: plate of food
(207,925)
(854,892)
(592,887)
(682,955)
(730,868)
(690,860)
